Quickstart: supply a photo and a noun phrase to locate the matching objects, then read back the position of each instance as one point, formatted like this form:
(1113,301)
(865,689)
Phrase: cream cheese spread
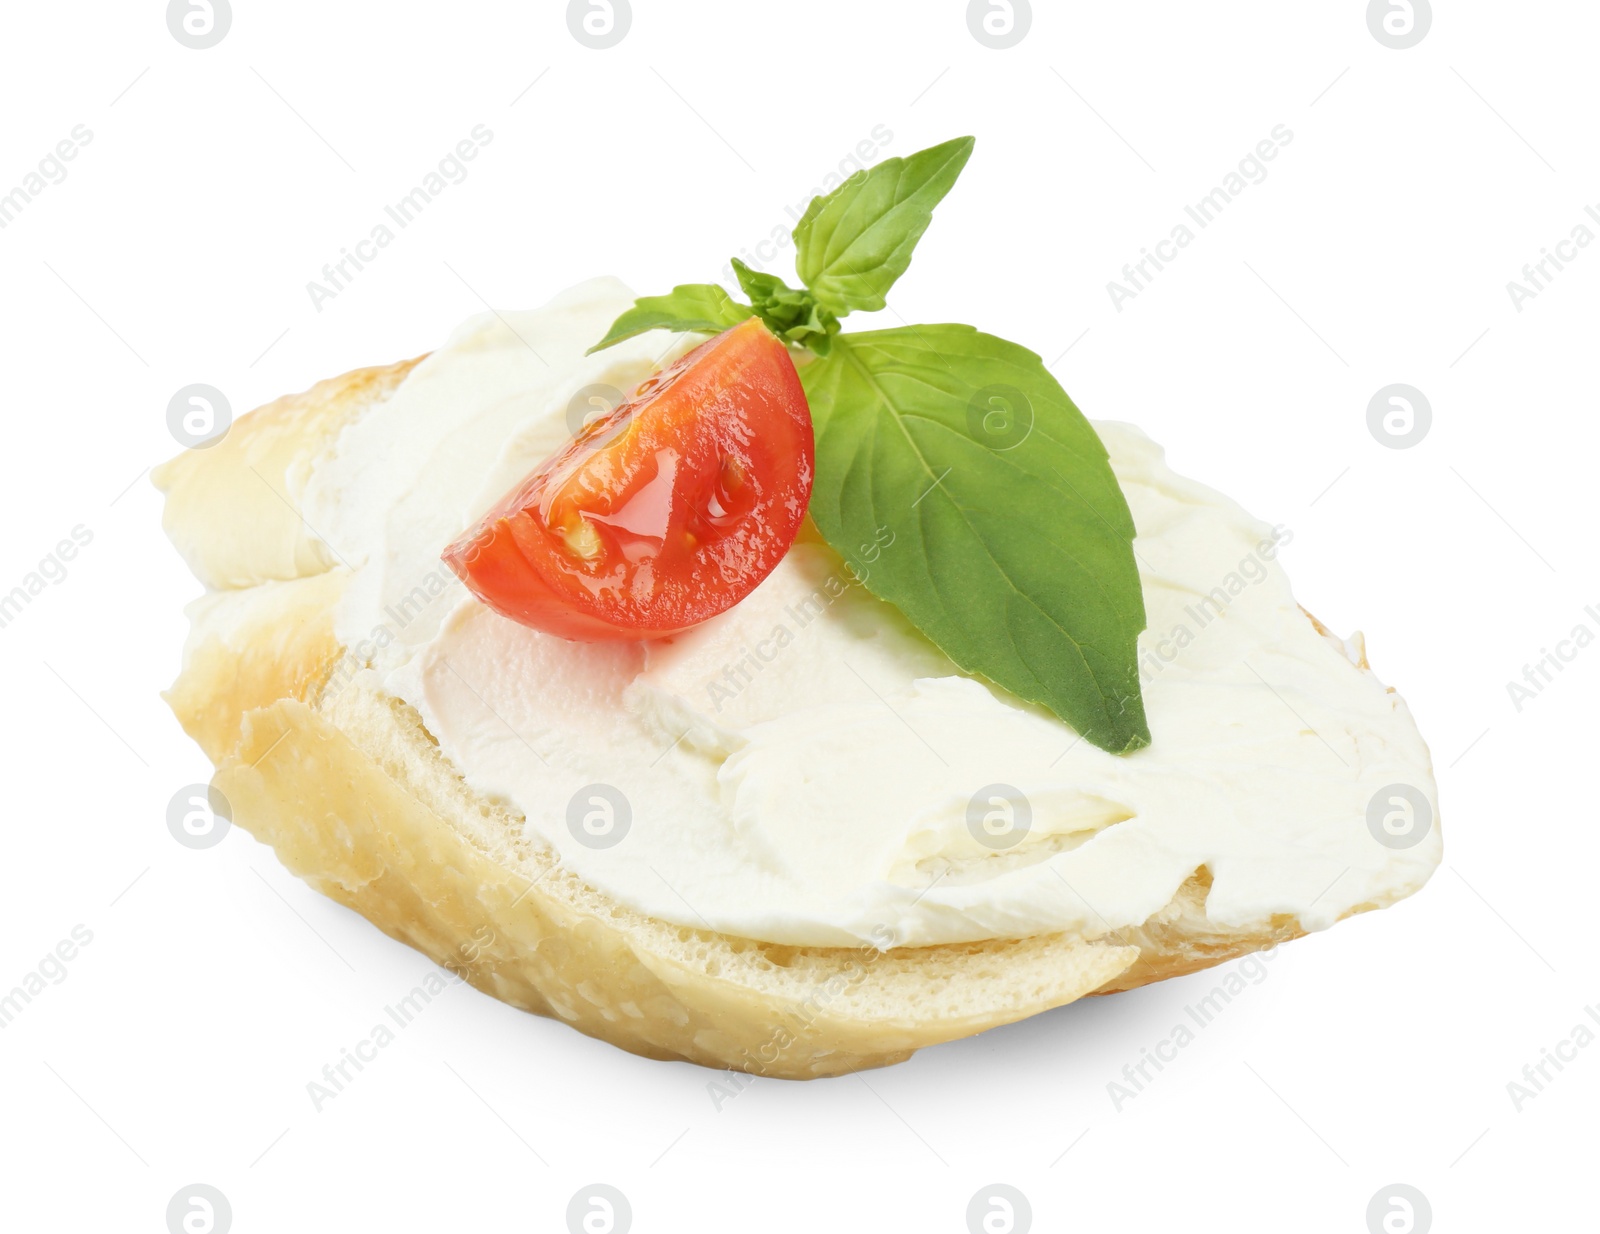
(807,768)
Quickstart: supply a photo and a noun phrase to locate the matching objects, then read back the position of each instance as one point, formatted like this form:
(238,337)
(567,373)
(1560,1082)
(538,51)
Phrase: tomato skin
(666,511)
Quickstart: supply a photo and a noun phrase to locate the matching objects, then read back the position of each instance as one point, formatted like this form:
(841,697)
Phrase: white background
(218,182)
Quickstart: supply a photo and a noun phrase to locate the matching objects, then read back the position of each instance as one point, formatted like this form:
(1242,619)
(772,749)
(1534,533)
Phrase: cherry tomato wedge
(662,513)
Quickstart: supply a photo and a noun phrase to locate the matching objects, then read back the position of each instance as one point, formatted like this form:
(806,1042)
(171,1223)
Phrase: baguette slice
(350,789)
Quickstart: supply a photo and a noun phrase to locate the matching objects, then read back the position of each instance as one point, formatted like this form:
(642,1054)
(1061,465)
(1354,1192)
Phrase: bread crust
(232,508)
(351,792)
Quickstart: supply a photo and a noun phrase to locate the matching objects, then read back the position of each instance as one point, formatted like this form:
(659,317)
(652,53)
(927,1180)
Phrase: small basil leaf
(854,243)
(701,307)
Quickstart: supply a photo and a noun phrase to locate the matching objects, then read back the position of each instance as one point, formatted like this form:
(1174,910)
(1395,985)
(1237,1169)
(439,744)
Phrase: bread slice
(354,795)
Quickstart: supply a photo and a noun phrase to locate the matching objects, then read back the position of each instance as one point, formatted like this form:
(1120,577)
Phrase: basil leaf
(794,316)
(854,243)
(1009,543)
(701,307)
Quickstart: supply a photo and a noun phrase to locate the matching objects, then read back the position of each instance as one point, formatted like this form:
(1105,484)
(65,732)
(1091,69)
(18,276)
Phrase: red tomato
(664,512)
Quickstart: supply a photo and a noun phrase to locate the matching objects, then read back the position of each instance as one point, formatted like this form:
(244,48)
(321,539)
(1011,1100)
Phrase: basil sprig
(1009,541)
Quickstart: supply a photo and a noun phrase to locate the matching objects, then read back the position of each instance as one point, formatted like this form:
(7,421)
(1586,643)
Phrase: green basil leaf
(794,316)
(1010,544)
(701,307)
(854,243)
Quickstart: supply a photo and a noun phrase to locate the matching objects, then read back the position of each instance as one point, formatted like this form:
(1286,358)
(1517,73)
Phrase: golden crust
(232,508)
(355,798)
(247,649)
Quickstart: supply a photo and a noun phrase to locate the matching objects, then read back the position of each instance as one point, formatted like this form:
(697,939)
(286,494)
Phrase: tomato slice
(662,513)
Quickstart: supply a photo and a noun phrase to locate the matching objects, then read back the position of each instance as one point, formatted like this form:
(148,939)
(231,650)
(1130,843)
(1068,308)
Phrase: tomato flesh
(662,513)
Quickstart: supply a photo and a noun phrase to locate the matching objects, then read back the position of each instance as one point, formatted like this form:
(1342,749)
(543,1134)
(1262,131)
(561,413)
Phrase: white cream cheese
(804,768)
